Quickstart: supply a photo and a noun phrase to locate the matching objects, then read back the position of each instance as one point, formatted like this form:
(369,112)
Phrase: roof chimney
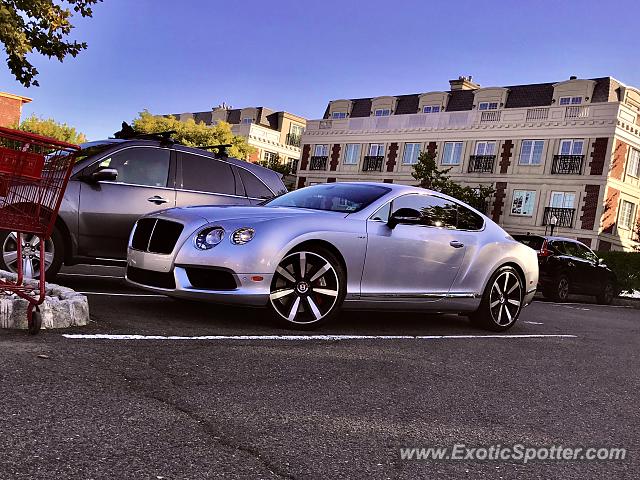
(463,83)
(573,77)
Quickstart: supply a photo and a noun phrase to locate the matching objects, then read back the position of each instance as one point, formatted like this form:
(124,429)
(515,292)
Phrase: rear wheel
(32,264)
(501,302)
(605,297)
(560,291)
(307,289)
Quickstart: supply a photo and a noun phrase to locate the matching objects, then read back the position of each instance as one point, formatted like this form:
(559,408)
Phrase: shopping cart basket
(34,172)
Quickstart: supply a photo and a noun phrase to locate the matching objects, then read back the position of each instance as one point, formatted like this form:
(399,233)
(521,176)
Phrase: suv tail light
(544,251)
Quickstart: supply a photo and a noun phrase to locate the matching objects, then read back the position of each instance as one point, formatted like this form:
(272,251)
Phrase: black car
(570,267)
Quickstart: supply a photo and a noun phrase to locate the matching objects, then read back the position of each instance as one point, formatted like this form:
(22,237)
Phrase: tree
(276,164)
(50,128)
(40,25)
(427,172)
(194,134)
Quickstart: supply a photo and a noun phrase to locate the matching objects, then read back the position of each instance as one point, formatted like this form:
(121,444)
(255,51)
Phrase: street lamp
(554,222)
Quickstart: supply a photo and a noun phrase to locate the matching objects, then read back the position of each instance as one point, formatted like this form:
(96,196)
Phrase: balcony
(564,216)
(293,140)
(540,113)
(481,163)
(372,163)
(490,116)
(577,111)
(567,164)
(318,163)
(293,166)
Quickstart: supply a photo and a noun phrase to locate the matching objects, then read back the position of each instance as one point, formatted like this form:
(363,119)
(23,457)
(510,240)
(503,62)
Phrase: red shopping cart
(34,171)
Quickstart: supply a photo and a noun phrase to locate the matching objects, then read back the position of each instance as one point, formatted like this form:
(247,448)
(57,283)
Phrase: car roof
(548,238)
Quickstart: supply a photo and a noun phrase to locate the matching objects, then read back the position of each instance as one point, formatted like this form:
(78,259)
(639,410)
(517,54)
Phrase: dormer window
(488,106)
(246,121)
(382,112)
(570,100)
(338,115)
(431,109)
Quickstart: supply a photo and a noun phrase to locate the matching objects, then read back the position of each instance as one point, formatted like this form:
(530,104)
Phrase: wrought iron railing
(538,113)
(564,216)
(372,163)
(567,164)
(293,139)
(490,116)
(577,111)
(318,163)
(293,166)
(481,163)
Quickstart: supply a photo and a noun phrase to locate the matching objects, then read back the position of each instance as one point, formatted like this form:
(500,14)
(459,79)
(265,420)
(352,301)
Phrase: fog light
(209,238)
(242,236)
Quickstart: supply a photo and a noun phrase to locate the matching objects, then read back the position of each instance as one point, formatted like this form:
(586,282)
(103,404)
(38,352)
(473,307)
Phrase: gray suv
(116,181)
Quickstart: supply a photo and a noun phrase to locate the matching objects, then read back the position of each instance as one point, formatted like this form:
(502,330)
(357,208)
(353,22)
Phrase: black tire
(7,246)
(305,300)
(501,301)
(561,289)
(606,296)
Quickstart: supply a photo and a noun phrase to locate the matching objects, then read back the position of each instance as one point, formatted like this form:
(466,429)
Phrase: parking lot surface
(245,399)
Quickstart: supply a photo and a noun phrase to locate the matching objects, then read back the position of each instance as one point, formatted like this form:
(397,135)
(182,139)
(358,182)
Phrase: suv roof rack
(221,150)
(127,132)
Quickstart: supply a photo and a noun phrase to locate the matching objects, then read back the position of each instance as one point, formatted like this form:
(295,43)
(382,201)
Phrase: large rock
(62,307)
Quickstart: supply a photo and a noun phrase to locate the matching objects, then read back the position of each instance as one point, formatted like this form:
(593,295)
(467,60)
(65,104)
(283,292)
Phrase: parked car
(116,181)
(568,266)
(355,245)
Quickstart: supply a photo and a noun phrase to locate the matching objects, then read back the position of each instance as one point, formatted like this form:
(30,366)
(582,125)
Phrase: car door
(109,209)
(578,268)
(413,260)
(593,277)
(204,180)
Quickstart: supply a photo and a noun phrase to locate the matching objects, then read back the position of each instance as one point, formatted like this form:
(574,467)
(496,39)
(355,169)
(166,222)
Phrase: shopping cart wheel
(34,318)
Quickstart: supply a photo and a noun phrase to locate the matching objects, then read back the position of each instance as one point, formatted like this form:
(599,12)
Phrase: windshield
(90,149)
(333,197)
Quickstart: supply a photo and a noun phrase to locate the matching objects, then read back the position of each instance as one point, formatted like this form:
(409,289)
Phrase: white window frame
(567,199)
(626,218)
(532,203)
(296,130)
(431,109)
(573,142)
(530,159)
(378,148)
(382,112)
(570,100)
(352,155)
(413,151)
(267,153)
(247,121)
(488,106)
(323,149)
(633,164)
(338,115)
(451,160)
(483,146)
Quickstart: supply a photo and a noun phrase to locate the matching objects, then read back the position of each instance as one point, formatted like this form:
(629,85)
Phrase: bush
(626,266)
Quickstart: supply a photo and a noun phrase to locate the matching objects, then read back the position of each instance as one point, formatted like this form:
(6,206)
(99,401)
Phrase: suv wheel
(32,264)
(562,288)
(606,296)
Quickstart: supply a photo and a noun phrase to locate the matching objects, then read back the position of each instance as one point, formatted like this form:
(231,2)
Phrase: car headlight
(209,238)
(242,236)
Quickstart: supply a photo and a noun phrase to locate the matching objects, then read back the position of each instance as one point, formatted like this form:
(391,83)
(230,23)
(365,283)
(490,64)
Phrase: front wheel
(606,296)
(501,302)
(32,264)
(307,289)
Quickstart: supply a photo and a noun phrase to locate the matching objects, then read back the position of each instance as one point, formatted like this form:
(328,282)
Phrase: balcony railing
(564,216)
(293,140)
(567,164)
(481,163)
(577,111)
(293,166)
(490,116)
(318,163)
(372,163)
(540,113)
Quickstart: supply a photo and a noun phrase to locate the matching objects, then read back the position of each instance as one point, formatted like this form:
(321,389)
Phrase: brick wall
(498,203)
(505,157)
(618,160)
(391,158)
(10,109)
(610,210)
(586,241)
(599,155)
(335,157)
(304,163)
(588,218)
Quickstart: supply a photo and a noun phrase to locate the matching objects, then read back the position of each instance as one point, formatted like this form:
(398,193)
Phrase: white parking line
(532,323)
(109,294)
(104,336)
(86,275)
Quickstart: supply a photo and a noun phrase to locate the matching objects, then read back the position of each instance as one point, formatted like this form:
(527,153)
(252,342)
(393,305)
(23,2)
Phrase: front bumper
(528,298)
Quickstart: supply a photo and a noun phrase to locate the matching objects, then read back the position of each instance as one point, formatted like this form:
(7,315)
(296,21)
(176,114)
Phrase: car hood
(219,213)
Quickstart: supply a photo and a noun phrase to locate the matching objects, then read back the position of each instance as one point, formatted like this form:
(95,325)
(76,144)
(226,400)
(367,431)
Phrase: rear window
(531,241)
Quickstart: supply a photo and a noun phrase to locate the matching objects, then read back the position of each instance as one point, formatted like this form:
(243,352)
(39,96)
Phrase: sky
(191,55)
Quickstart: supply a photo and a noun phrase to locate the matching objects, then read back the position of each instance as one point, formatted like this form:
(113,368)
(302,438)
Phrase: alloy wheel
(505,299)
(30,259)
(563,289)
(305,288)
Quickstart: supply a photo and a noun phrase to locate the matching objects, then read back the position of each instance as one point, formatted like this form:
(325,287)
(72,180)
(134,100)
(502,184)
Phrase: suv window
(205,174)
(140,166)
(433,211)
(586,253)
(254,187)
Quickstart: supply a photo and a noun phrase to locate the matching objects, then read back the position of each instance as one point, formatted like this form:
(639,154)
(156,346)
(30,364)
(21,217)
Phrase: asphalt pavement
(245,399)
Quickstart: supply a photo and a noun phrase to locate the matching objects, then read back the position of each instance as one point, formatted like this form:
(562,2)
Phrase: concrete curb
(62,308)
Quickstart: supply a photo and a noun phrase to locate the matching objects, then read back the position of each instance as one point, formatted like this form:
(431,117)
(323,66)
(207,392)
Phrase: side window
(586,253)
(570,248)
(254,187)
(140,166)
(468,220)
(432,211)
(382,214)
(205,174)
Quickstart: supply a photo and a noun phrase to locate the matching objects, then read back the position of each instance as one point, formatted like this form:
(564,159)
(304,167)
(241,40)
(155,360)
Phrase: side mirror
(104,174)
(404,216)
(601,261)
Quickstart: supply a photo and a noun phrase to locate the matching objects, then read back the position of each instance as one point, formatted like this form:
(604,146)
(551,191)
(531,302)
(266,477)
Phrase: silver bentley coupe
(309,253)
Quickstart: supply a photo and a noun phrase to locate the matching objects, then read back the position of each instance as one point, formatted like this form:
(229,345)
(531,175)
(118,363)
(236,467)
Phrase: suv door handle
(456,244)
(158,200)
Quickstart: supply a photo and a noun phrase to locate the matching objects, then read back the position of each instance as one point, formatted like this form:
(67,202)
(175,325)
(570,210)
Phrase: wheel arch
(321,244)
(62,227)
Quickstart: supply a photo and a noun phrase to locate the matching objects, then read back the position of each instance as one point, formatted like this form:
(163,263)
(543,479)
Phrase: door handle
(158,200)
(456,244)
